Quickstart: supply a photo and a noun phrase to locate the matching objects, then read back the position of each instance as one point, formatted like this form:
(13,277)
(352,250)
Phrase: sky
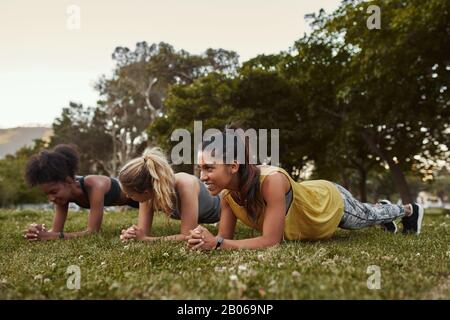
(48,57)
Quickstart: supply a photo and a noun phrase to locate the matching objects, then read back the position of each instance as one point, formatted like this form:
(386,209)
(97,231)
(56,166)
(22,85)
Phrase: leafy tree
(207,99)
(13,188)
(397,80)
(86,128)
(134,96)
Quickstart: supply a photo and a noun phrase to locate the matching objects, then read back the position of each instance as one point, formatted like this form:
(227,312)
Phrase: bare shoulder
(224,201)
(185,182)
(274,183)
(99,182)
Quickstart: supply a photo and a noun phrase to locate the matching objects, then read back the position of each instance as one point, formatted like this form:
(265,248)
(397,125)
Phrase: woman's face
(216,176)
(138,196)
(59,193)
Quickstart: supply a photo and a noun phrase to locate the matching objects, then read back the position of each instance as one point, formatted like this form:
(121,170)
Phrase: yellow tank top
(315,212)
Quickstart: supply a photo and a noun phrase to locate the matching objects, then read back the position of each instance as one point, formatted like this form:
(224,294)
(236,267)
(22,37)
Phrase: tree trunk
(114,159)
(400,182)
(345,180)
(397,175)
(362,185)
(362,182)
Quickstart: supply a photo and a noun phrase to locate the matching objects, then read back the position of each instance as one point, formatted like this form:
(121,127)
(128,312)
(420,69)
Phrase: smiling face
(216,176)
(138,196)
(58,193)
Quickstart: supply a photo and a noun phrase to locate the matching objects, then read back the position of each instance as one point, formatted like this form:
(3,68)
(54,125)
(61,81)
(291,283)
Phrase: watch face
(219,242)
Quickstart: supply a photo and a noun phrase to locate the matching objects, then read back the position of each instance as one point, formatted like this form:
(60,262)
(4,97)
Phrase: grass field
(411,267)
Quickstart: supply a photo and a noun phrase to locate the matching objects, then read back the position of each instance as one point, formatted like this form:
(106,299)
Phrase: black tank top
(111,197)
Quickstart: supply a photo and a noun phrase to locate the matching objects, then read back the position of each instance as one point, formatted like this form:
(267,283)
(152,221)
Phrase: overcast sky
(44,64)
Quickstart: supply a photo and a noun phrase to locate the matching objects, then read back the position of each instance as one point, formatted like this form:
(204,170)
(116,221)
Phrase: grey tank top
(208,206)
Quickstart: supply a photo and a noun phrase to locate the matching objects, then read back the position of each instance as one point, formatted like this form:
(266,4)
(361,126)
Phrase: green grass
(411,267)
(438,211)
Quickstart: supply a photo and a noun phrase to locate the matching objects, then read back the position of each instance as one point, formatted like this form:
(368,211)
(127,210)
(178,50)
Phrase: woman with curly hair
(54,172)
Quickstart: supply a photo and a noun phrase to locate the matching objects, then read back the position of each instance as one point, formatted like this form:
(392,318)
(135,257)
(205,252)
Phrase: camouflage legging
(359,215)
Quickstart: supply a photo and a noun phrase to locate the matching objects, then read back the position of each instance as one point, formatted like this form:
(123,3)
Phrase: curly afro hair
(52,165)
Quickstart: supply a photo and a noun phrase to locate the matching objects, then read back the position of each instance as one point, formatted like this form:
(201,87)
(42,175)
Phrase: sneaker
(388,226)
(413,223)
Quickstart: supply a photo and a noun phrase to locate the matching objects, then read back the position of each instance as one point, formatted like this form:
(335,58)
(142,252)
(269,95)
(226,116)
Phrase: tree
(402,72)
(13,188)
(207,99)
(268,100)
(134,96)
(86,128)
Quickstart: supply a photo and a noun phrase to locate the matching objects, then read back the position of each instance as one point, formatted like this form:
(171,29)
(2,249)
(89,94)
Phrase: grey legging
(359,215)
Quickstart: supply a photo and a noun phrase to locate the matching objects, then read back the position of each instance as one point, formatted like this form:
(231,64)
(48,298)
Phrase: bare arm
(145,217)
(96,194)
(36,232)
(95,217)
(228,220)
(143,229)
(188,190)
(273,225)
(60,218)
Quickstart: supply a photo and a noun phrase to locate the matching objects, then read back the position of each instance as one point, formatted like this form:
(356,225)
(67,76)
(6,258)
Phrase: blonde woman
(151,181)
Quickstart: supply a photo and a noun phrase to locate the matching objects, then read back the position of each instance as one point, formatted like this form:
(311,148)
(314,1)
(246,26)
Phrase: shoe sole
(420,215)
(387,230)
(396,228)
(420,218)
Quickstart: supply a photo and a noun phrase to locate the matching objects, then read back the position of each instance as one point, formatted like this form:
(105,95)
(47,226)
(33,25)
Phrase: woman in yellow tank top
(267,199)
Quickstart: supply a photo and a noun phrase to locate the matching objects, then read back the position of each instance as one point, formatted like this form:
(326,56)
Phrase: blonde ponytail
(151,172)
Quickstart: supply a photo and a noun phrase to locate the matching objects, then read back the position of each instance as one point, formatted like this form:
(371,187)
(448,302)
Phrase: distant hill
(13,139)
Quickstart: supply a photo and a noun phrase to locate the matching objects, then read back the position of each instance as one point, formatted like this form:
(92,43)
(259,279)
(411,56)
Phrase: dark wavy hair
(249,194)
(53,165)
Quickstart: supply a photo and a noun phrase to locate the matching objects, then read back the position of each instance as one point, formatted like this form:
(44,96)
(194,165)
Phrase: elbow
(271,242)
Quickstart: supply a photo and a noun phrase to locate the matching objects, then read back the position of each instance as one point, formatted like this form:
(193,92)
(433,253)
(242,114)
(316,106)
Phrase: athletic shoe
(388,226)
(413,223)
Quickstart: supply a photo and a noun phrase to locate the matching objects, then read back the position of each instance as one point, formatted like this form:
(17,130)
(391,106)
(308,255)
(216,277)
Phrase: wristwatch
(61,235)
(219,242)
